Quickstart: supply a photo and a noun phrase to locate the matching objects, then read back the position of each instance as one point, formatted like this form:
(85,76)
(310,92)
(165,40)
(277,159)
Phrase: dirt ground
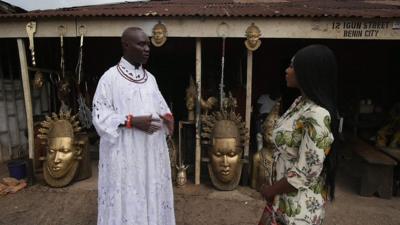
(194,205)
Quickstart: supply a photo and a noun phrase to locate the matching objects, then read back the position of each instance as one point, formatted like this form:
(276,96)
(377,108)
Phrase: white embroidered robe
(134,168)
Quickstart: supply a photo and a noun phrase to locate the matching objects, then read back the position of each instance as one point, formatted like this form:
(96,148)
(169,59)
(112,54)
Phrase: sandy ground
(194,205)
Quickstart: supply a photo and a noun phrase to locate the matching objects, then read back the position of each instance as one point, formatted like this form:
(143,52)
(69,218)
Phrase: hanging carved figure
(63,86)
(159,35)
(225,136)
(38,80)
(64,151)
(253,34)
(63,93)
(191,95)
(84,113)
(31,30)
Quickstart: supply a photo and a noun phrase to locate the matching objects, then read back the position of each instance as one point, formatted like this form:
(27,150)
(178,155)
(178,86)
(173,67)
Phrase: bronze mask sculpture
(38,80)
(263,159)
(181,176)
(191,94)
(63,94)
(159,35)
(224,135)
(63,150)
(253,34)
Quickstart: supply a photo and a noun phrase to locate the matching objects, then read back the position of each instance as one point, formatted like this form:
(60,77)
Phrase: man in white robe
(132,119)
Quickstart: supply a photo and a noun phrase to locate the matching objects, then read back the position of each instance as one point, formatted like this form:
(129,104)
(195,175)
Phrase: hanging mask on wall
(253,34)
(159,35)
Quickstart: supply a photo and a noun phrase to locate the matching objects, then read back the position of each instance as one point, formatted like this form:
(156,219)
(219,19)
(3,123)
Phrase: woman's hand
(268,193)
(279,187)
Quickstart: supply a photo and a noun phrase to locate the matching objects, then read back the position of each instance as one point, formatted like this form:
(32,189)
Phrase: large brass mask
(253,34)
(225,136)
(63,151)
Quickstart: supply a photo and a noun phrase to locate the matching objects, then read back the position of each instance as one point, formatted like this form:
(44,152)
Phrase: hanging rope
(61,30)
(221,85)
(84,113)
(78,69)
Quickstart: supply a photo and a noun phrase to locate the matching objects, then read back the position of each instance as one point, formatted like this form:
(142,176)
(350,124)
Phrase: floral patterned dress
(302,138)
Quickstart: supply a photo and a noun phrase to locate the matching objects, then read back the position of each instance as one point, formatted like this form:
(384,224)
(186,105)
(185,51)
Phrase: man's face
(60,156)
(136,47)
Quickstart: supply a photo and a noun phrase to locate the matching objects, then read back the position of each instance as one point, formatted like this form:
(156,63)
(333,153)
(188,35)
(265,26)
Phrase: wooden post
(27,96)
(248,95)
(246,166)
(198,111)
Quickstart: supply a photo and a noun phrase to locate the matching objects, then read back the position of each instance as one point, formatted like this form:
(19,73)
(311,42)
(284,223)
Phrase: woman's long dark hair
(316,73)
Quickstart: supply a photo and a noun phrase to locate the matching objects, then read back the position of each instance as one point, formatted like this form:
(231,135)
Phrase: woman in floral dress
(304,162)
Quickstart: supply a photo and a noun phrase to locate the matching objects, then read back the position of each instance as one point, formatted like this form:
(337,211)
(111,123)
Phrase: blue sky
(53,4)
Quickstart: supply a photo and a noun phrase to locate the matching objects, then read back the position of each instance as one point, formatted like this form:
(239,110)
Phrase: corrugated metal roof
(228,8)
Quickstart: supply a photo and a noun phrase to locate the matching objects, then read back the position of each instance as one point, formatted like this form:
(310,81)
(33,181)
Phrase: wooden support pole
(248,95)
(198,111)
(246,166)
(27,96)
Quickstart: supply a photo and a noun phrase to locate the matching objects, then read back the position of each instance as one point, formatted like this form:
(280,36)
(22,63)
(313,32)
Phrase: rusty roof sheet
(228,8)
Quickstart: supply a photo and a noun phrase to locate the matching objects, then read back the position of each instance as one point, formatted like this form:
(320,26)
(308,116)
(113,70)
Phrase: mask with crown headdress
(63,151)
(225,136)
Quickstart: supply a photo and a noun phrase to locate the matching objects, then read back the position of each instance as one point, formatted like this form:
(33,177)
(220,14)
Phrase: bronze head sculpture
(191,94)
(224,135)
(263,159)
(159,35)
(181,177)
(191,99)
(63,151)
(63,94)
(38,80)
(253,34)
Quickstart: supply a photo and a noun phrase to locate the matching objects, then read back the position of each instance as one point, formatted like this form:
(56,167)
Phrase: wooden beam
(44,70)
(198,111)
(279,27)
(27,96)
